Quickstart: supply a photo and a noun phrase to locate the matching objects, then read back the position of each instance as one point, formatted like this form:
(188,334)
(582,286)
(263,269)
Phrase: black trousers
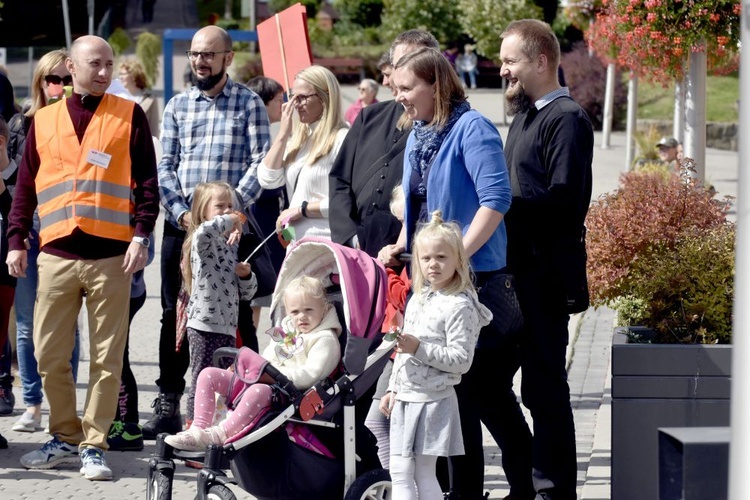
(173,364)
(485,395)
(544,384)
(127,401)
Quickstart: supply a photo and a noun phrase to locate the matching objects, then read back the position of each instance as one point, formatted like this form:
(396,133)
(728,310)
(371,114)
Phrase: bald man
(218,130)
(89,167)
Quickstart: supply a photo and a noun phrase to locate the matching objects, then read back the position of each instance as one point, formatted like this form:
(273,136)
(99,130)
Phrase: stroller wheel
(372,485)
(220,492)
(159,485)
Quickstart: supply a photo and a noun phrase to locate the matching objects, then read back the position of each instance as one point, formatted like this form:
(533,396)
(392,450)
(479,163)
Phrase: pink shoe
(196,439)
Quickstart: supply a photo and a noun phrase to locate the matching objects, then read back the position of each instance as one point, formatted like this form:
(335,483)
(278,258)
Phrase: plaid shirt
(208,139)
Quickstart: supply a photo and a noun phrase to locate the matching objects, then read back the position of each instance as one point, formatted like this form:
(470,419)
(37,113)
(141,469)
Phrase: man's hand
(17,263)
(135,258)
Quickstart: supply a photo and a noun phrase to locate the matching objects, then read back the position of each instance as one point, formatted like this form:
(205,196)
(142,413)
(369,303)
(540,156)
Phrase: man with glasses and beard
(549,151)
(217,130)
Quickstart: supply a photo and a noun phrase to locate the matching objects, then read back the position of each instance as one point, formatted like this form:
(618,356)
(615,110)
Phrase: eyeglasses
(57,80)
(302,98)
(207,56)
(363,89)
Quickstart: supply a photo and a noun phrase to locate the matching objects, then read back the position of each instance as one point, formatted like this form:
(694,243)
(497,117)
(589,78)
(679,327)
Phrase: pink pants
(216,380)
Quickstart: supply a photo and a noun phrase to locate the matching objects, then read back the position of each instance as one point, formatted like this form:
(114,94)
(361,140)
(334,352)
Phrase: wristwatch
(142,241)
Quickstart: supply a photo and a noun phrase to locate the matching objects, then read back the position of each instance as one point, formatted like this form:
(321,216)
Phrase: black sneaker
(7,400)
(125,436)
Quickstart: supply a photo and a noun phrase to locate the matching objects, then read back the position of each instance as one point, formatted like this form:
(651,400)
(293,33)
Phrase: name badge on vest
(99,158)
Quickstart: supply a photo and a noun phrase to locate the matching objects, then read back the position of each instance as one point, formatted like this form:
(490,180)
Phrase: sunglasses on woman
(56,80)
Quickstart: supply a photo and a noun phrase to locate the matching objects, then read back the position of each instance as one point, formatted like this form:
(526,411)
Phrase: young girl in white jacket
(443,319)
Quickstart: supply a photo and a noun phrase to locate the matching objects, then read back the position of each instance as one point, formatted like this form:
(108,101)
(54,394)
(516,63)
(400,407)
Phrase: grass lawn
(656,102)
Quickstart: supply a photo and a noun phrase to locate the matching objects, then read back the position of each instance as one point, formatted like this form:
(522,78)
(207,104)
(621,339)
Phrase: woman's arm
(275,156)
(482,226)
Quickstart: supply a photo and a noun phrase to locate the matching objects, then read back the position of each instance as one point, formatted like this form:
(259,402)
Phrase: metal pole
(739,451)
(678,123)
(91,16)
(31,69)
(609,101)
(632,122)
(66,21)
(695,113)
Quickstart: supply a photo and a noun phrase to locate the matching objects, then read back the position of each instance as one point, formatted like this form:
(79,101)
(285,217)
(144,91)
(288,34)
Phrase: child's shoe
(28,422)
(125,436)
(196,439)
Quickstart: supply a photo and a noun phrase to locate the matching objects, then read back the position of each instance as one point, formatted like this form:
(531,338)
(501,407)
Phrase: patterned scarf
(428,141)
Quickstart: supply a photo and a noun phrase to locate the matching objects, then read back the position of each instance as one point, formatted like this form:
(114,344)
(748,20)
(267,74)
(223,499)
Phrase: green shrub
(120,41)
(148,49)
(661,253)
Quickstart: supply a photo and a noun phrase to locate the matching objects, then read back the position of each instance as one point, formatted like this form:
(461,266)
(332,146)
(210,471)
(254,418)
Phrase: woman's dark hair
(266,88)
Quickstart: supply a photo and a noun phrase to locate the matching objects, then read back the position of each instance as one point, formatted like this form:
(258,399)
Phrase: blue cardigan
(469,172)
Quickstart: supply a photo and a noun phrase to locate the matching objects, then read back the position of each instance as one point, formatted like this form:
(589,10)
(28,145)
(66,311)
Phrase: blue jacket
(468,172)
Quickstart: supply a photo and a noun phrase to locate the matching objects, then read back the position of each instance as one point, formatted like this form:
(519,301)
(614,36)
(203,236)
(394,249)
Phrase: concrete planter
(660,385)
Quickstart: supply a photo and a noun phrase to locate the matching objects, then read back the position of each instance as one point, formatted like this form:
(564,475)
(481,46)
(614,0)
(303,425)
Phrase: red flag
(285,45)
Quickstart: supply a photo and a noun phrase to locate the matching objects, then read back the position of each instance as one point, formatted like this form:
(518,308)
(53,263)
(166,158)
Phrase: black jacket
(367,168)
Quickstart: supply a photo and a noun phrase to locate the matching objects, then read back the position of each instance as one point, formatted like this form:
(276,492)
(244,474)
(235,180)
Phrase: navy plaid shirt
(211,139)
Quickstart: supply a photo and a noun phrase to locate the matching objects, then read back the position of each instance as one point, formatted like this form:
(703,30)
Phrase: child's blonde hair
(309,286)
(398,202)
(450,233)
(202,195)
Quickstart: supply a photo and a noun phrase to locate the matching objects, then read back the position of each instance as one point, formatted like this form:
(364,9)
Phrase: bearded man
(549,152)
(217,130)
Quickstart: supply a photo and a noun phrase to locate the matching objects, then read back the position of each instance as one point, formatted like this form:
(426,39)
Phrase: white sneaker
(93,465)
(28,423)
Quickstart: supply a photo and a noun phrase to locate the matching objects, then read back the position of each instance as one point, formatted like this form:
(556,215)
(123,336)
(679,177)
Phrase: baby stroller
(266,462)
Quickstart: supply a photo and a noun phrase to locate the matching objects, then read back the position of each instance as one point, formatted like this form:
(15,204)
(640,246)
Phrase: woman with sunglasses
(303,152)
(50,78)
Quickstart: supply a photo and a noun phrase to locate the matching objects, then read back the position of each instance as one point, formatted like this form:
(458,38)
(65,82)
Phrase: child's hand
(242,269)
(234,237)
(407,344)
(386,404)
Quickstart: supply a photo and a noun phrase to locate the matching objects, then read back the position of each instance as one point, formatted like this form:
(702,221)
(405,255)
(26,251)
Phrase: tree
(438,17)
(485,20)
(362,12)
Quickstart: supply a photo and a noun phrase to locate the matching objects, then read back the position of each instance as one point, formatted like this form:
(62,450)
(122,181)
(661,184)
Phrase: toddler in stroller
(309,445)
(306,350)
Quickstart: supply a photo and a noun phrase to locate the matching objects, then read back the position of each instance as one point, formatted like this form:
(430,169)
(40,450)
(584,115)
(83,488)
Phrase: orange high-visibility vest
(72,192)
